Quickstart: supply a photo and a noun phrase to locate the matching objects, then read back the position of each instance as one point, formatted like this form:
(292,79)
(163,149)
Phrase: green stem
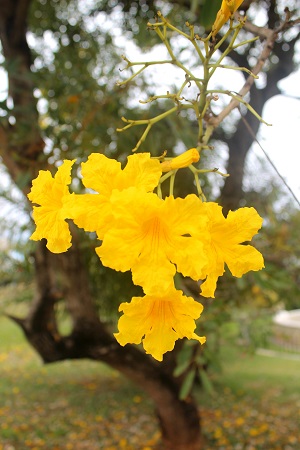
(165,176)
(175,60)
(197,182)
(225,175)
(159,193)
(243,69)
(142,138)
(172,181)
(226,51)
(248,41)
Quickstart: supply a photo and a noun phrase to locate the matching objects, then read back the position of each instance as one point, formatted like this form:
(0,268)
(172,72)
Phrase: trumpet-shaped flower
(159,321)
(228,7)
(92,212)
(227,235)
(150,236)
(51,193)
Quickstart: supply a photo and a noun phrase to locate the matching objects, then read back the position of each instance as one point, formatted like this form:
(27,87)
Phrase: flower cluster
(152,237)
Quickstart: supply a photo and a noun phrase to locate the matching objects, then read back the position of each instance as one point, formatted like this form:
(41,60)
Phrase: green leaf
(180,369)
(183,359)
(206,383)
(209,11)
(200,360)
(187,384)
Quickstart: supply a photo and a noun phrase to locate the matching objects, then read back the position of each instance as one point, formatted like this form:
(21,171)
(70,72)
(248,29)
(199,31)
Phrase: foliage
(76,64)
(16,262)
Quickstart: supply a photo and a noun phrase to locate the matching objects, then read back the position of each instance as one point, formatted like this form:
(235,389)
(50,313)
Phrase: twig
(270,37)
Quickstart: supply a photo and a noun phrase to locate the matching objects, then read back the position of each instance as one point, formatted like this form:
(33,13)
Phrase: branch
(270,37)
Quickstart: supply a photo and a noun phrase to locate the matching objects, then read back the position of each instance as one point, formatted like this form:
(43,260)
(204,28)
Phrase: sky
(281,140)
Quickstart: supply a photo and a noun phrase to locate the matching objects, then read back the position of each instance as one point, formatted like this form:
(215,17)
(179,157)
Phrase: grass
(254,372)
(69,405)
(81,405)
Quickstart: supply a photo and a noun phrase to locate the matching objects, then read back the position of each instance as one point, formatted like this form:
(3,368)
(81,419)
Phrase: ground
(83,405)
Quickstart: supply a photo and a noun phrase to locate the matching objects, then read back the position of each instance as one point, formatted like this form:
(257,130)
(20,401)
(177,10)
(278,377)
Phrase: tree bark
(22,144)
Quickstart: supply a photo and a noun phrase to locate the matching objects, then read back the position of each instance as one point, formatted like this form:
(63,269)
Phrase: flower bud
(228,7)
(184,160)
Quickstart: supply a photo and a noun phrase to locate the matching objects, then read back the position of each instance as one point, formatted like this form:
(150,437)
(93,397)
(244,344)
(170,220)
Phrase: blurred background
(59,64)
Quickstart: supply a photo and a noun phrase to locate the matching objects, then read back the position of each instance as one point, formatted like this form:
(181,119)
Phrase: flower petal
(120,249)
(92,212)
(42,188)
(151,236)
(50,193)
(100,173)
(226,238)
(209,286)
(242,225)
(142,172)
(50,225)
(159,321)
(103,174)
(153,271)
(243,259)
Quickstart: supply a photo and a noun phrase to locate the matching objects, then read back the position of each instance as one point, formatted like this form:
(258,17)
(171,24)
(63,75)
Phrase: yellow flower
(103,175)
(50,193)
(151,235)
(227,235)
(184,160)
(159,321)
(228,7)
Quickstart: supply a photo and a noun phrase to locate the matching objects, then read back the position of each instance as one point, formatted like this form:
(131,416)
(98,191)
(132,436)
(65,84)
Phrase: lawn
(85,405)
